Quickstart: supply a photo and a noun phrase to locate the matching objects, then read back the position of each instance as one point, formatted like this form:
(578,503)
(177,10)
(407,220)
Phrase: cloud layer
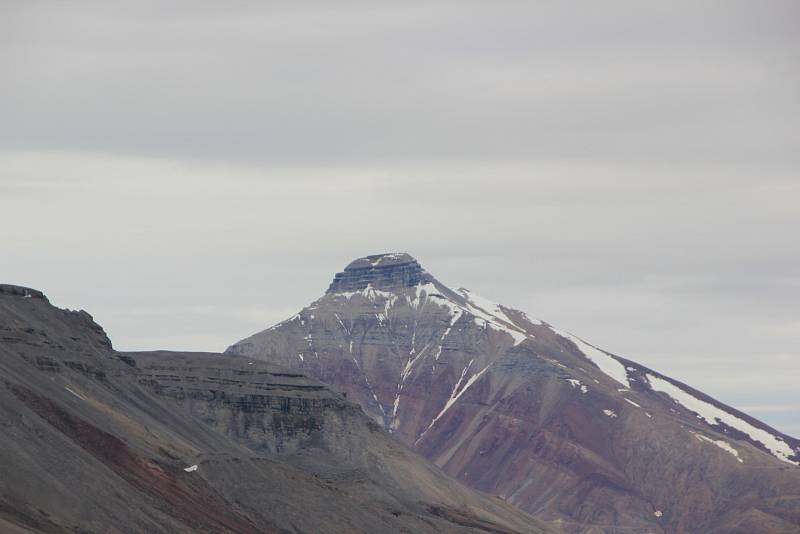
(624,171)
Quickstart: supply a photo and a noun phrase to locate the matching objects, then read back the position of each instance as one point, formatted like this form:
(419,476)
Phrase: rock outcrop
(382,271)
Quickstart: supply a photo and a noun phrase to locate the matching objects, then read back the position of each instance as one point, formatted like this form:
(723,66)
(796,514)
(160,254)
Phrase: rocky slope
(515,407)
(93,440)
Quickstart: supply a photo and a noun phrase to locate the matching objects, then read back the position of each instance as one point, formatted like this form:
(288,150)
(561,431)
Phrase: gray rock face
(382,271)
(20,291)
(518,408)
(93,440)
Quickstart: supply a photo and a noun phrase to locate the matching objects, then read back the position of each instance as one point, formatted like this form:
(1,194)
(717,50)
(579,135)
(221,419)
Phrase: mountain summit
(515,407)
(381,271)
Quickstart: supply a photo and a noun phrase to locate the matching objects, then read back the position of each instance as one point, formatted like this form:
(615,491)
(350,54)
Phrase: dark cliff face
(382,271)
(65,329)
(20,291)
(93,440)
(517,408)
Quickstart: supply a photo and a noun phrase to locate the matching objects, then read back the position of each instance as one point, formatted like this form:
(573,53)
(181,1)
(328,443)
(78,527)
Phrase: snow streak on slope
(492,308)
(369,293)
(607,363)
(714,416)
(454,396)
(462,305)
(428,291)
(722,444)
(631,402)
(492,314)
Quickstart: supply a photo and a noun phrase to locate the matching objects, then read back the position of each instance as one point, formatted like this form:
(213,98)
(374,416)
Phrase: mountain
(515,407)
(94,440)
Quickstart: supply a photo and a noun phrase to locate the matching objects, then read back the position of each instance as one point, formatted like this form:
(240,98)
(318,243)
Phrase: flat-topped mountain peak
(518,408)
(381,260)
(381,271)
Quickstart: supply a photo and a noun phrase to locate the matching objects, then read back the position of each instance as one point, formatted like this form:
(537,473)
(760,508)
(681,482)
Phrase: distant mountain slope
(513,406)
(93,440)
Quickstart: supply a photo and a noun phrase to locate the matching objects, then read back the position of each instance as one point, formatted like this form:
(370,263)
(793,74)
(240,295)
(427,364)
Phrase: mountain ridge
(95,440)
(443,369)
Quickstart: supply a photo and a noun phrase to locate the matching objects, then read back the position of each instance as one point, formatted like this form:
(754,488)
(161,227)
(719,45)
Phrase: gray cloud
(707,83)
(626,171)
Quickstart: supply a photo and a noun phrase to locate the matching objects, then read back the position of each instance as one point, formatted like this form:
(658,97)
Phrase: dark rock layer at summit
(383,271)
(98,441)
(515,407)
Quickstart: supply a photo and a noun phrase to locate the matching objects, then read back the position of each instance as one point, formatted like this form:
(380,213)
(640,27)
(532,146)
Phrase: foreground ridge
(95,440)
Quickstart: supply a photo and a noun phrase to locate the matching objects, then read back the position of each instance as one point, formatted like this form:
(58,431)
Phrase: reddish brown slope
(514,407)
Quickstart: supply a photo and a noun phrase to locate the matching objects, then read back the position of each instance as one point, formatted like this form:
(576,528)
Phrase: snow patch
(493,315)
(74,393)
(714,416)
(392,256)
(577,384)
(341,323)
(191,469)
(722,444)
(485,304)
(368,293)
(631,402)
(412,359)
(456,394)
(289,320)
(610,413)
(453,320)
(421,294)
(607,363)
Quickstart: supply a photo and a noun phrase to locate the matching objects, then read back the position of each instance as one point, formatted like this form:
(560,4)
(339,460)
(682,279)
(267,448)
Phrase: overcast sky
(627,171)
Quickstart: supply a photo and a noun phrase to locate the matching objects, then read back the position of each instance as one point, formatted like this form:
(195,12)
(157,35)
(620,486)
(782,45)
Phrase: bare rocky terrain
(97,441)
(512,406)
